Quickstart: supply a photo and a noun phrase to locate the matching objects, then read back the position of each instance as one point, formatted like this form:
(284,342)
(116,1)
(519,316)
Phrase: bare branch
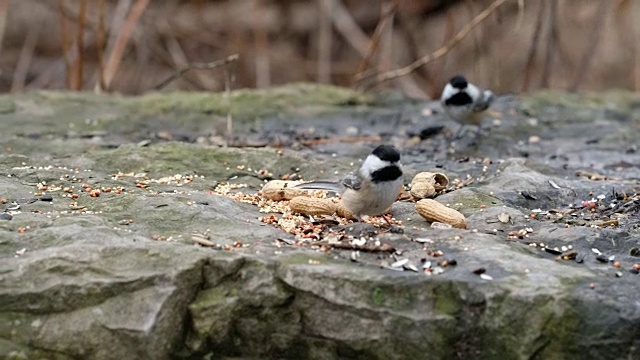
(4,10)
(198,66)
(101,43)
(377,34)
(325,38)
(66,45)
(533,50)
(595,35)
(348,246)
(261,44)
(115,57)
(551,43)
(386,76)
(79,65)
(24,60)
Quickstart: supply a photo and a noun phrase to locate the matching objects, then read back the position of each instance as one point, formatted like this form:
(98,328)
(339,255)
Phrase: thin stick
(347,26)
(386,38)
(476,43)
(533,50)
(348,246)
(375,38)
(45,78)
(324,41)
(636,52)
(101,43)
(200,66)
(64,33)
(520,14)
(24,60)
(122,39)
(79,65)
(228,79)
(551,43)
(261,43)
(118,19)
(4,10)
(594,39)
(389,75)
(333,140)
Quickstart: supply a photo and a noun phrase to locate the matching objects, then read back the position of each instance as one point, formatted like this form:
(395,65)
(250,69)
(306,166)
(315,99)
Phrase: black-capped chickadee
(465,102)
(373,188)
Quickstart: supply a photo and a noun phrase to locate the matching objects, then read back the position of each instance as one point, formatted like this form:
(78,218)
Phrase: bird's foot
(395,229)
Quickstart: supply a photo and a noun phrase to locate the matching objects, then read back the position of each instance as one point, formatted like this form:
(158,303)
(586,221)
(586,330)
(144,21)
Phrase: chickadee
(373,188)
(465,102)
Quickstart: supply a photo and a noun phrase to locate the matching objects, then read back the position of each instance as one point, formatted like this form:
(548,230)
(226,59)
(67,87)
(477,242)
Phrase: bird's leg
(387,221)
(477,137)
(459,133)
(392,228)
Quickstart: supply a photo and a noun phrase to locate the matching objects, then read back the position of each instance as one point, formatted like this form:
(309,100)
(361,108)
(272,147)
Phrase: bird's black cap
(458,82)
(387,153)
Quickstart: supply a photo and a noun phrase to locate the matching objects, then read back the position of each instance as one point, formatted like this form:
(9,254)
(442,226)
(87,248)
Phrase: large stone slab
(118,276)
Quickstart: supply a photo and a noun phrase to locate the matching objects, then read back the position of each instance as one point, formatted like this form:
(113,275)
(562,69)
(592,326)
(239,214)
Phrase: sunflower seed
(410,266)
(399,263)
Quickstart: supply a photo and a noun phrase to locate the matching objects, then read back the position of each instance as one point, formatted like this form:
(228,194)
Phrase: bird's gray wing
(321,185)
(352,181)
(484,101)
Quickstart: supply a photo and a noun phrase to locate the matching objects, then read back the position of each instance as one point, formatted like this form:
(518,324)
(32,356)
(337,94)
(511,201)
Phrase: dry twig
(551,43)
(101,44)
(347,26)
(115,57)
(360,139)
(79,64)
(4,10)
(197,66)
(261,43)
(534,46)
(386,16)
(66,46)
(228,79)
(348,246)
(324,41)
(477,50)
(386,76)
(24,60)
(589,54)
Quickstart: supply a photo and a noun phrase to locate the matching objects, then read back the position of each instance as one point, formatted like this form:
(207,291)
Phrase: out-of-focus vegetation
(132,46)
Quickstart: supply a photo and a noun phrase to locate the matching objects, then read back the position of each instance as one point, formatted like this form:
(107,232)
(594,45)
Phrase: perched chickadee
(373,188)
(465,102)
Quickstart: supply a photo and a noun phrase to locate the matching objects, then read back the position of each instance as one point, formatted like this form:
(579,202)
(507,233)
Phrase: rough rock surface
(117,276)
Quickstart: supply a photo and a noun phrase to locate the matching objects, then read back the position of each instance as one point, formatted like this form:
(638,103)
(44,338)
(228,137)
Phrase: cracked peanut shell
(278,190)
(427,184)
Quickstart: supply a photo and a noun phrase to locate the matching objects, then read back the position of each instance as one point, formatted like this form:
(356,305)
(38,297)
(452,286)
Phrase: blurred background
(132,46)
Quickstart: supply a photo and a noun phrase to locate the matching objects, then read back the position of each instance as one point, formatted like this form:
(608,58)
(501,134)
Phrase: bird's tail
(321,185)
